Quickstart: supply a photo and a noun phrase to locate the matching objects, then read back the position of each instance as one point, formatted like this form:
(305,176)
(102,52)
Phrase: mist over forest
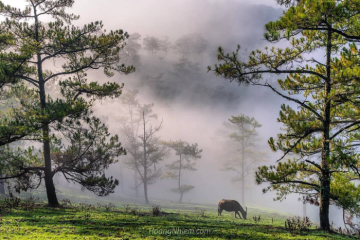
(171,44)
(192,102)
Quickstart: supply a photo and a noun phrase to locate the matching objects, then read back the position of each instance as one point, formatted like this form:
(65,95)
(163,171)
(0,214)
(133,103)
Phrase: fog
(194,108)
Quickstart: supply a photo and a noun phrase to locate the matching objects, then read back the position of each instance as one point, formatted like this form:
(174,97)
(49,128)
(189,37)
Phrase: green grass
(185,222)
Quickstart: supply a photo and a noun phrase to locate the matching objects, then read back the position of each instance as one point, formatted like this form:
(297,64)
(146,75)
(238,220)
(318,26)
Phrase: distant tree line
(185,77)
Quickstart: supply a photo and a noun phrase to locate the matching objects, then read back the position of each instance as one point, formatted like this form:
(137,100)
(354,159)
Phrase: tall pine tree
(322,133)
(242,149)
(78,49)
(188,154)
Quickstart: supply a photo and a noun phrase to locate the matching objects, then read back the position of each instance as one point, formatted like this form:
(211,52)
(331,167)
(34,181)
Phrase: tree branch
(291,99)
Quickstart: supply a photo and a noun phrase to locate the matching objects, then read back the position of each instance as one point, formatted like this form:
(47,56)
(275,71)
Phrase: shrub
(29,203)
(127,208)
(12,202)
(66,202)
(87,207)
(156,210)
(298,224)
(109,207)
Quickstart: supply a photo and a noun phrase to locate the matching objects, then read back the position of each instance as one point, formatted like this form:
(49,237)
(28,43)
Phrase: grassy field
(89,220)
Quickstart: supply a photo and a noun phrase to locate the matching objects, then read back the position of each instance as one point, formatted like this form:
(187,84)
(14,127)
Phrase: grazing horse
(231,206)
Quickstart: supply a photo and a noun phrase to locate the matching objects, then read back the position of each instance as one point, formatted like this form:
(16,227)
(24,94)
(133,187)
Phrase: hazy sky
(158,17)
(19,3)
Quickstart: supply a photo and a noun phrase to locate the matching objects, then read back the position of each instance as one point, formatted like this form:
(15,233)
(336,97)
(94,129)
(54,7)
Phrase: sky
(149,16)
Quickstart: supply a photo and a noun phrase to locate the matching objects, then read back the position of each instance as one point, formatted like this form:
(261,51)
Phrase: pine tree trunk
(121,178)
(179,180)
(243,178)
(145,162)
(243,193)
(136,183)
(49,183)
(325,202)
(145,192)
(2,186)
(181,196)
(145,186)
(325,172)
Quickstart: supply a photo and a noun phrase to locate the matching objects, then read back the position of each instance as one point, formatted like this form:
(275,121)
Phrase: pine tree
(241,131)
(78,49)
(188,154)
(152,44)
(131,120)
(322,133)
(144,146)
(130,53)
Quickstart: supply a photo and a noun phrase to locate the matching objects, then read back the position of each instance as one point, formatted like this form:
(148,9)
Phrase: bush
(87,207)
(109,207)
(127,208)
(12,202)
(66,202)
(29,203)
(156,210)
(298,224)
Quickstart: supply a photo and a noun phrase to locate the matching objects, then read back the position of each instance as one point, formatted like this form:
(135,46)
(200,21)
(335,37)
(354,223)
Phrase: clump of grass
(127,208)
(298,224)
(29,203)
(86,206)
(156,210)
(257,219)
(109,207)
(66,202)
(87,216)
(200,211)
(12,202)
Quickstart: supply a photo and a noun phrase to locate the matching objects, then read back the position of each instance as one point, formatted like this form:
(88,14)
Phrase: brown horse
(231,206)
